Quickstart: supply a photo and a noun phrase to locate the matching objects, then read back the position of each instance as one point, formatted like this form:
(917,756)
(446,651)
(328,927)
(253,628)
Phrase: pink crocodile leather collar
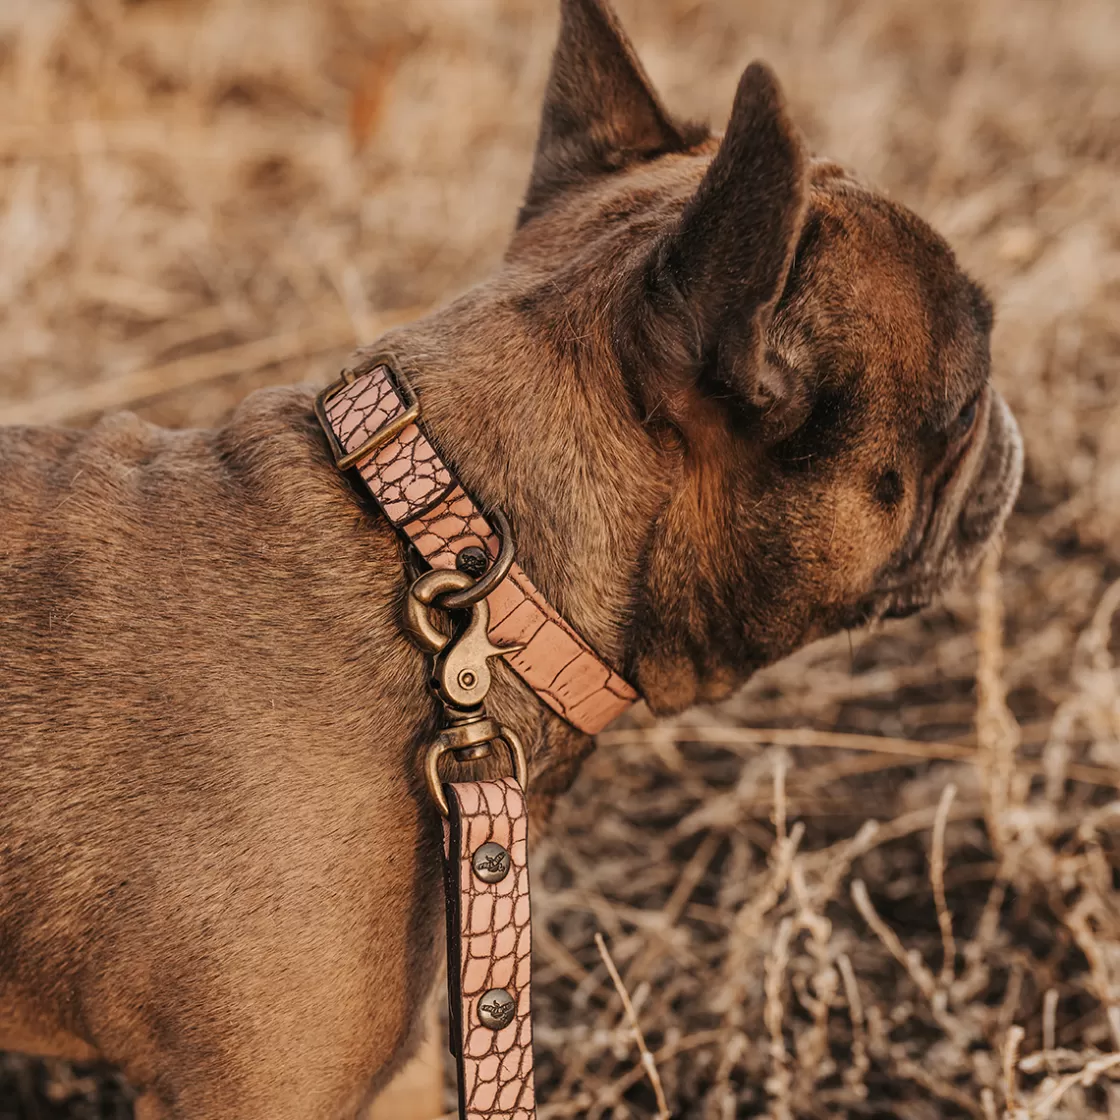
(372,419)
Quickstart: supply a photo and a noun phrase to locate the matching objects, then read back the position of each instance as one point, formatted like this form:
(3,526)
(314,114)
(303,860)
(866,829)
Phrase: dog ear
(701,304)
(600,111)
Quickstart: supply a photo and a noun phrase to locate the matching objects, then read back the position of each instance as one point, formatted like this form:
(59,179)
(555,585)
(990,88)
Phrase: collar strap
(371,418)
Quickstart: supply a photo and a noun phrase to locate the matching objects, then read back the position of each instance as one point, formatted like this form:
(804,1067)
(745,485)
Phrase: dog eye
(967,416)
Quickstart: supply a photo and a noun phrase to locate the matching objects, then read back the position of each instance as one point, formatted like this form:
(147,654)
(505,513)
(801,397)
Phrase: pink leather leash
(371,419)
(489,945)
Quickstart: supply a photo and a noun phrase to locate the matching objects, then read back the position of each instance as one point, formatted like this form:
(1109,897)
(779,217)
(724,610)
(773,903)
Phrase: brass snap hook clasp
(418,619)
(461,673)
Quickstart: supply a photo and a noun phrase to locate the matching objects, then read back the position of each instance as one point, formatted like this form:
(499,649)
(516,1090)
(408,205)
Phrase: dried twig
(779,1082)
(1010,1054)
(1087,1076)
(648,1062)
(997,733)
(855,1074)
(912,962)
(732,737)
(937,877)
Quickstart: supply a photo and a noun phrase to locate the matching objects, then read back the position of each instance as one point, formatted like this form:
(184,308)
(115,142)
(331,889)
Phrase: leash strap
(489,941)
(371,418)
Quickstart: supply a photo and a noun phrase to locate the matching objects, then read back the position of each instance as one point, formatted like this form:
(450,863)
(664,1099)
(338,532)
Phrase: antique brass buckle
(460,678)
(346,459)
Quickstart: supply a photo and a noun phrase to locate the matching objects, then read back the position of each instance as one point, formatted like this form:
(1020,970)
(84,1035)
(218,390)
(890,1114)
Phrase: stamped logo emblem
(491,862)
(496,1009)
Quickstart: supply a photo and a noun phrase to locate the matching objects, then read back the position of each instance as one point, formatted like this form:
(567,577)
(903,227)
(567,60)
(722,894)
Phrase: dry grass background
(883,881)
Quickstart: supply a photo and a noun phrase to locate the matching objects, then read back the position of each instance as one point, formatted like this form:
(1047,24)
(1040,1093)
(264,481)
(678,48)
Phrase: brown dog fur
(731,401)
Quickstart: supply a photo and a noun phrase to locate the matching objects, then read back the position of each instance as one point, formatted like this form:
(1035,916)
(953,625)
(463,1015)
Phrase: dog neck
(530,432)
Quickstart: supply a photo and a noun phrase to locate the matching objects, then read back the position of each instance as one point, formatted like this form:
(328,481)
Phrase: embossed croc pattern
(489,946)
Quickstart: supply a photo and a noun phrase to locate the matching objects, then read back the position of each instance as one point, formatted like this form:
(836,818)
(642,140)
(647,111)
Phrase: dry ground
(898,900)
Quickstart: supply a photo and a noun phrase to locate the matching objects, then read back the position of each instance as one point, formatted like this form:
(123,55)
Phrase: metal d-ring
(481,588)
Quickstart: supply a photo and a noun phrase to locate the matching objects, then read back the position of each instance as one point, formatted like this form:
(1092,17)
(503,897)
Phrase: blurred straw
(183,373)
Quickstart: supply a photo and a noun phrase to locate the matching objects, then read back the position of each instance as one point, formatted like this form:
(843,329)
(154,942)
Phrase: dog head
(806,355)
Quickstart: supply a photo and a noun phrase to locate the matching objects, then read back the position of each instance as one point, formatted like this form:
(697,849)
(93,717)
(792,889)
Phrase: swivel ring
(441,747)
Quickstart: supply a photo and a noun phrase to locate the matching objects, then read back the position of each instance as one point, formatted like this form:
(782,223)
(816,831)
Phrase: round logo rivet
(473,560)
(496,1009)
(491,862)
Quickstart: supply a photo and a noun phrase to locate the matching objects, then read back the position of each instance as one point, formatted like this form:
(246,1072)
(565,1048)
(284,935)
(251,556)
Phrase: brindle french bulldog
(731,399)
